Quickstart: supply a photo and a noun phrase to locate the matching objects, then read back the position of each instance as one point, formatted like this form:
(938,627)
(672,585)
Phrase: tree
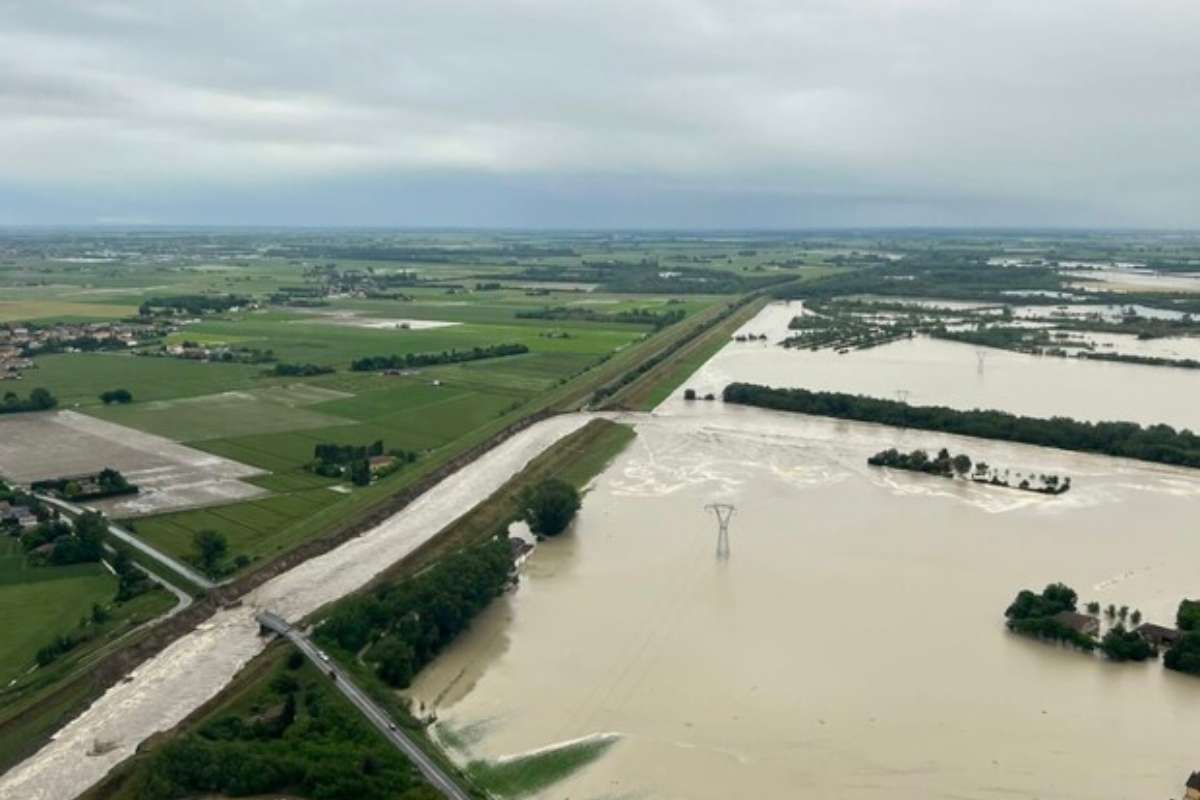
(1184,655)
(211,547)
(1136,617)
(1120,644)
(116,396)
(1188,616)
(549,506)
(689,394)
(1093,607)
(41,399)
(360,472)
(961,464)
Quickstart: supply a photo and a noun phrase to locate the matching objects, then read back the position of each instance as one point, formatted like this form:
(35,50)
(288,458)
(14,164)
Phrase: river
(169,686)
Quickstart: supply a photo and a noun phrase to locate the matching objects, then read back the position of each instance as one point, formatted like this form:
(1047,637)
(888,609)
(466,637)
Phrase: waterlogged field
(926,371)
(852,644)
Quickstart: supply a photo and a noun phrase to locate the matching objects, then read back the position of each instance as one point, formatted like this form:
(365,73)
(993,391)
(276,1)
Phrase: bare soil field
(170,475)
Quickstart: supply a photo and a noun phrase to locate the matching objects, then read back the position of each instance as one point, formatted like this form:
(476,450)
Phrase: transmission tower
(723,512)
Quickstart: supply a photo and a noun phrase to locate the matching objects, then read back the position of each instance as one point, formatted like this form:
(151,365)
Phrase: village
(20,343)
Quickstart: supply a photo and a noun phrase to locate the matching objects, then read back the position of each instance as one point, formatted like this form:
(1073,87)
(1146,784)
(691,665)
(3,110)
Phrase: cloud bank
(651,113)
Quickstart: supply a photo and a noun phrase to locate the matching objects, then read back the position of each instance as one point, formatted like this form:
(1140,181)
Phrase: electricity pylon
(723,512)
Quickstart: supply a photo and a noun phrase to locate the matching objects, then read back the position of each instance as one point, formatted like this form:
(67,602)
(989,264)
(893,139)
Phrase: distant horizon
(584,229)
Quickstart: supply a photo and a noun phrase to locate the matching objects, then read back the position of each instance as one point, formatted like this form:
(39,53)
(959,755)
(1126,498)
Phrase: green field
(38,603)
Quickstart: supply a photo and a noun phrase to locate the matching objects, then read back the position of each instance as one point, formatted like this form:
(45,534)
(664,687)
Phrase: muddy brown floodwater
(852,645)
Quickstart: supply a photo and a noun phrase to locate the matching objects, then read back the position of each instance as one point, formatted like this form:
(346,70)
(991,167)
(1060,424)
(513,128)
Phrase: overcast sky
(599,113)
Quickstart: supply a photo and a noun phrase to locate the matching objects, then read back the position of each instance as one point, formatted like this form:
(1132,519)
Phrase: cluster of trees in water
(947,466)
(416,360)
(1038,615)
(1158,443)
(635,316)
(1184,655)
(38,400)
(841,332)
(193,304)
(294,737)
(549,506)
(407,623)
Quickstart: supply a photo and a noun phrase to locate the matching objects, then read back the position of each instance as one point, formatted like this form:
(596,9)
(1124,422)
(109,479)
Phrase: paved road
(133,541)
(433,773)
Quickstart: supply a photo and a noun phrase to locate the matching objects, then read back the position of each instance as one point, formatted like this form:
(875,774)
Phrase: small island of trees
(961,466)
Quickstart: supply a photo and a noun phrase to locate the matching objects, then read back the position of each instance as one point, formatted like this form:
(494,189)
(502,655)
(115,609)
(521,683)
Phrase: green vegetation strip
(527,775)
(1160,444)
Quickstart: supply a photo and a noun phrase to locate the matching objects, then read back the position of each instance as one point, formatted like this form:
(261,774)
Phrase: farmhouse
(22,516)
(1080,623)
(1158,635)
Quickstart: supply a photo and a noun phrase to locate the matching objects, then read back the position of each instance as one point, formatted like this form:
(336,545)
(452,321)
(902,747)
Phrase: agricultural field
(39,602)
(62,443)
(573,303)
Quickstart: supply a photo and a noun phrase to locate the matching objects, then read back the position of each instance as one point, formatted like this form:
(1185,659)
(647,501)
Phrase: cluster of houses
(19,343)
(16,518)
(1157,635)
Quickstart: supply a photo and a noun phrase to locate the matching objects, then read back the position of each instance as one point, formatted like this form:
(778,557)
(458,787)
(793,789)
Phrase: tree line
(39,400)
(1157,443)
(408,623)
(637,316)
(416,360)
(195,304)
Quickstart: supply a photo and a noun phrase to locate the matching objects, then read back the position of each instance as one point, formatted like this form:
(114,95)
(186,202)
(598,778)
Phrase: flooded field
(938,372)
(852,645)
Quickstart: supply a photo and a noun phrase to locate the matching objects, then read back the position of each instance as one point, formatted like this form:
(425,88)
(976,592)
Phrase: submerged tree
(549,506)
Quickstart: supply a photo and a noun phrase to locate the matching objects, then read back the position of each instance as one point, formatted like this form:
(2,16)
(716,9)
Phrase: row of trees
(194,304)
(300,370)
(1158,443)
(406,624)
(39,400)
(416,360)
(635,316)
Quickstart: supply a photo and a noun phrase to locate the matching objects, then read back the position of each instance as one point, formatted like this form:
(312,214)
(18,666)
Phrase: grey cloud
(864,111)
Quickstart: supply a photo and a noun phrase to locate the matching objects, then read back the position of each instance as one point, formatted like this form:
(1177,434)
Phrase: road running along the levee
(192,669)
(133,541)
(429,768)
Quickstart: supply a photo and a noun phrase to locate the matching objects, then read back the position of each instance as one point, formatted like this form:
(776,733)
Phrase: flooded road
(167,688)
(852,645)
